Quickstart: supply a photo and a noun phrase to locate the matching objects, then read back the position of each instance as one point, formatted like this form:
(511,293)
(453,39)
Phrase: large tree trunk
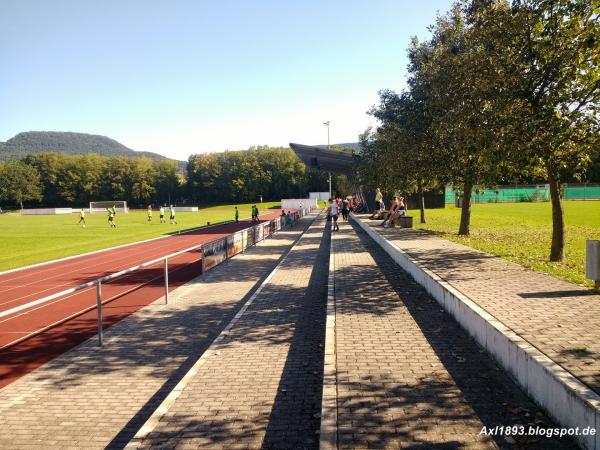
(557,248)
(422,202)
(465,213)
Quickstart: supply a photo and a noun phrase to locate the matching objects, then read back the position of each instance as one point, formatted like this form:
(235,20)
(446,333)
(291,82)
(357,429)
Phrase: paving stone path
(261,385)
(559,318)
(407,375)
(93,398)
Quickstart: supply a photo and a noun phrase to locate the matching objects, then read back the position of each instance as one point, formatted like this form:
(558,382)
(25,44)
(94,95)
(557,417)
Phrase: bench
(403,221)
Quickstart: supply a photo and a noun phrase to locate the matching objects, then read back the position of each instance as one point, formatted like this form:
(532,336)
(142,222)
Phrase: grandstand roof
(320,158)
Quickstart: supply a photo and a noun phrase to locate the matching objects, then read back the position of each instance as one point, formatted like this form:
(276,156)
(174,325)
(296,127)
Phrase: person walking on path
(162,214)
(81,218)
(345,209)
(172,216)
(237,215)
(149,213)
(283,219)
(333,212)
(111,217)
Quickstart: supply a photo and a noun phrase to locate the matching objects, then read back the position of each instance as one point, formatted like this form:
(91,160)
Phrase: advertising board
(235,244)
(214,253)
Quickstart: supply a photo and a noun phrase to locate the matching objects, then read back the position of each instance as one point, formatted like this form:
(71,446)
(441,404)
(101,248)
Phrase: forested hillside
(33,142)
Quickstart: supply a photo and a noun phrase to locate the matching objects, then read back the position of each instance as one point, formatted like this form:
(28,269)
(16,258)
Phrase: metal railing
(274,225)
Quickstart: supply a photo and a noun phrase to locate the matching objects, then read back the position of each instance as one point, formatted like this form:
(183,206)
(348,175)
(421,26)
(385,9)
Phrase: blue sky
(182,77)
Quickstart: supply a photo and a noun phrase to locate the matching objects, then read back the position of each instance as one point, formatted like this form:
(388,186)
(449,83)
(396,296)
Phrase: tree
(142,177)
(551,53)
(452,75)
(166,180)
(405,143)
(20,183)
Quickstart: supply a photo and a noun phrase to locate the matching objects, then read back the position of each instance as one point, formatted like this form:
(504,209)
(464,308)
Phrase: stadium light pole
(328,148)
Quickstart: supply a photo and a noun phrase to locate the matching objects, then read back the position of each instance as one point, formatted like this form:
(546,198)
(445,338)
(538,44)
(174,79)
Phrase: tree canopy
(503,91)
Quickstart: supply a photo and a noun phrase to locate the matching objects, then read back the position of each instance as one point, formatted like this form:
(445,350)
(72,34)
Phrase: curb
(329,419)
(164,407)
(571,403)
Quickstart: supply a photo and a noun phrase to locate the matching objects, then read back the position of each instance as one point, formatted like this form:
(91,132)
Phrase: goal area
(120,206)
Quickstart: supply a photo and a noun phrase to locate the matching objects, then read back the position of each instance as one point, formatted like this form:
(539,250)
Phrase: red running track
(36,335)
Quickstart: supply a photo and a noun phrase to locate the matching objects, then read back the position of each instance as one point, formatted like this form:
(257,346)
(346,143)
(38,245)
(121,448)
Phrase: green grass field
(28,240)
(521,232)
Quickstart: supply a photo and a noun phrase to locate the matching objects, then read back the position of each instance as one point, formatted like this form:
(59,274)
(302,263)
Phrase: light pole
(328,148)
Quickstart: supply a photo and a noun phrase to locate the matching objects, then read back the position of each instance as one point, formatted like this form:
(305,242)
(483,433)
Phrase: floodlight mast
(328,148)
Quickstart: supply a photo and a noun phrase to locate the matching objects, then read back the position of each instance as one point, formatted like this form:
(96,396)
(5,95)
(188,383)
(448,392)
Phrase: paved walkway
(261,385)
(93,398)
(407,375)
(559,318)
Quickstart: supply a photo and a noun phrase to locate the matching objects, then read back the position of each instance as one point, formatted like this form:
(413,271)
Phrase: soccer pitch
(521,233)
(32,239)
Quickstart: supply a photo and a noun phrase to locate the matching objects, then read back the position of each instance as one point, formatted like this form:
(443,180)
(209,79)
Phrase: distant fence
(528,193)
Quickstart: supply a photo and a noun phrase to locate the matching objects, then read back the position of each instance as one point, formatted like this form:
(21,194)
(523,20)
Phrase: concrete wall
(571,403)
(298,203)
(45,211)
(319,195)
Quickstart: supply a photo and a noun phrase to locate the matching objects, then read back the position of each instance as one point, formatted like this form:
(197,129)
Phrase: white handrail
(103,279)
(98,281)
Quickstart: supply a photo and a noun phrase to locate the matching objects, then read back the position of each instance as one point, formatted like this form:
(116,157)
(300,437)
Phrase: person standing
(172,216)
(333,212)
(81,218)
(111,217)
(345,209)
(149,213)
(114,211)
(378,202)
(282,219)
(162,214)
(237,215)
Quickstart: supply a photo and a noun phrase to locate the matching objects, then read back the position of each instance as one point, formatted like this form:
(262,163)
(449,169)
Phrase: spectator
(400,210)
(345,209)
(391,212)
(283,219)
(378,204)
(333,212)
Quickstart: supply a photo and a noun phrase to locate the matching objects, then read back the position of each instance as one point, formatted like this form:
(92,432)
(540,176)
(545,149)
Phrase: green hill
(32,142)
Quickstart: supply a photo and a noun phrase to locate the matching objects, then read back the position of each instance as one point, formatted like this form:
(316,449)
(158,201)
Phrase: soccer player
(114,210)
(111,217)
(162,215)
(149,213)
(81,217)
(237,215)
(172,219)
